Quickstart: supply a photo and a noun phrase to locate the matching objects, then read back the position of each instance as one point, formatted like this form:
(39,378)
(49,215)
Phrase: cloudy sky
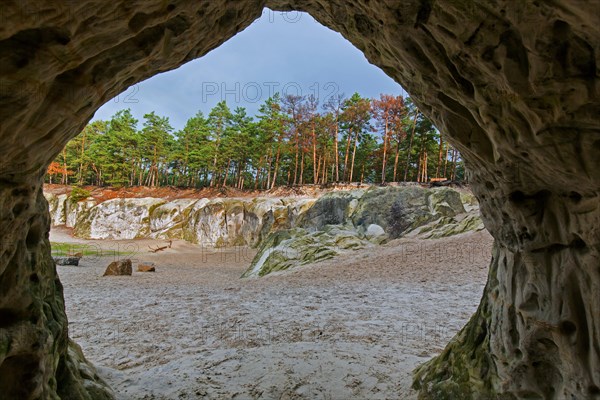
(280,52)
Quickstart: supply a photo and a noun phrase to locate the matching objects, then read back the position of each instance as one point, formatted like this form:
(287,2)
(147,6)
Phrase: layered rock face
(211,222)
(343,221)
(513,84)
(311,229)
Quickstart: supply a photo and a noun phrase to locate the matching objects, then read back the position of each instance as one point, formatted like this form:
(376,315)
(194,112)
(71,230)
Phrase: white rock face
(210,222)
(374,230)
(74,210)
(166,220)
(59,217)
(118,219)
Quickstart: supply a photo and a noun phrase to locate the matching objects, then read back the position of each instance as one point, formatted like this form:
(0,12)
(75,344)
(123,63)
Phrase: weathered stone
(374,231)
(351,212)
(118,219)
(117,268)
(167,220)
(146,267)
(295,247)
(67,260)
(37,359)
(331,209)
(513,84)
(211,222)
(446,202)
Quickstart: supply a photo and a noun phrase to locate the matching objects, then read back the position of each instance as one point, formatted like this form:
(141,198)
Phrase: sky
(290,53)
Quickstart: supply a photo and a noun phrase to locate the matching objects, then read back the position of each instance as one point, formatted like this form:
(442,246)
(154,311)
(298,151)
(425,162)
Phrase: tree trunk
(396,159)
(346,155)
(335,145)
(410,143)
(453,172)
(239,173)
(302,169)
(268,168)
(362,175)
(81,158)
(257,177)
(446,161)
(226,173)
(274,182)
(324,177)
(65,170)
(318,171)
(421,159)
(314,154)
(215,160)
(296,158)
(353,155)
(385,140)
(425,161)
(439,162)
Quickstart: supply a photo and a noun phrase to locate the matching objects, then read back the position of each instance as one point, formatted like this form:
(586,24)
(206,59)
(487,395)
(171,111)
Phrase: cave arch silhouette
(514,85)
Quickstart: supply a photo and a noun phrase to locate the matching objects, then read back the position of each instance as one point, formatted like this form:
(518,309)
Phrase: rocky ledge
(288,231)
(344,221)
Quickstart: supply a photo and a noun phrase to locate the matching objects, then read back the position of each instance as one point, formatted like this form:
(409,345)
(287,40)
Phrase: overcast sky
(280,52)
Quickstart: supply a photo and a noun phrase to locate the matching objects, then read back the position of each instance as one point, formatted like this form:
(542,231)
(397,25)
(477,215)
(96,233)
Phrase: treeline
(292,141)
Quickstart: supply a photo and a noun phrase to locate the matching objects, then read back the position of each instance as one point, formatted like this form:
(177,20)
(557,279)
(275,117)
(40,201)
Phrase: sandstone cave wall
(513,84)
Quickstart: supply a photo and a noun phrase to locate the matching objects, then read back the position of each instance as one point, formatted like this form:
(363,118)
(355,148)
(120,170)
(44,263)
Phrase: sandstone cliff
(289,231)
(344,221)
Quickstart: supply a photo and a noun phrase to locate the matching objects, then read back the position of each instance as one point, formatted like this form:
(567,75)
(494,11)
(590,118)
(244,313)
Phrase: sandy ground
(350,328)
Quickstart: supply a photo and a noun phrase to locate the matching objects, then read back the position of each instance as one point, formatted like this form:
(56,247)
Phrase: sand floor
(350,328)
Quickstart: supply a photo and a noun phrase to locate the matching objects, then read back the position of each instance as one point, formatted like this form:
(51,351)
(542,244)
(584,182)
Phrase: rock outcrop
(343,221)
(513,85)
(211,222)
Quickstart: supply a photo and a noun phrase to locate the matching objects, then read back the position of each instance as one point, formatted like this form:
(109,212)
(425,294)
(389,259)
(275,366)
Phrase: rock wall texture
(344,221)
(513,84)
(289,231)
(212,222)
(37,358)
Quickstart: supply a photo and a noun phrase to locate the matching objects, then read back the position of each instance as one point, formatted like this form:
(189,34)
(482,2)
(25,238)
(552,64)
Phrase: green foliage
(78,194)
(290,141)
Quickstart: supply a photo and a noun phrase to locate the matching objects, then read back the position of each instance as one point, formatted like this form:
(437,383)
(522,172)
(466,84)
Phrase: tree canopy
(293,140)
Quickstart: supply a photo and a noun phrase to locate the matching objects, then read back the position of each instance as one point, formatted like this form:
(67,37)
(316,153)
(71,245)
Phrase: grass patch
(62,249)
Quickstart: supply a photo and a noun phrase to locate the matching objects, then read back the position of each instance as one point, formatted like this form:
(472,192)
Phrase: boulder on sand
(67,260)
(146,267)
(121,267)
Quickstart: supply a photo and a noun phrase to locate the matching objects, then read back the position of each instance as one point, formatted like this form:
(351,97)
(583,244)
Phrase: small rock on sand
(67,260)
(146,267)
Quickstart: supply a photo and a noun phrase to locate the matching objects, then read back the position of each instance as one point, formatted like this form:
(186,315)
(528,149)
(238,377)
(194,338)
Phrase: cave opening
(212,326)
(512,85)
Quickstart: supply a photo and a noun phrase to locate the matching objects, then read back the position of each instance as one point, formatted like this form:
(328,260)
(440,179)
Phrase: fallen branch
(157,249)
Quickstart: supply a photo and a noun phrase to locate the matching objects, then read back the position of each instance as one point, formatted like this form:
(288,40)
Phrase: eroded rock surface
(344,221)
(210,222)
(513,84)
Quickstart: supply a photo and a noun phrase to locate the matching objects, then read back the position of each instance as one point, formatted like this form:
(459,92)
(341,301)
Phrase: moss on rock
(465,369)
